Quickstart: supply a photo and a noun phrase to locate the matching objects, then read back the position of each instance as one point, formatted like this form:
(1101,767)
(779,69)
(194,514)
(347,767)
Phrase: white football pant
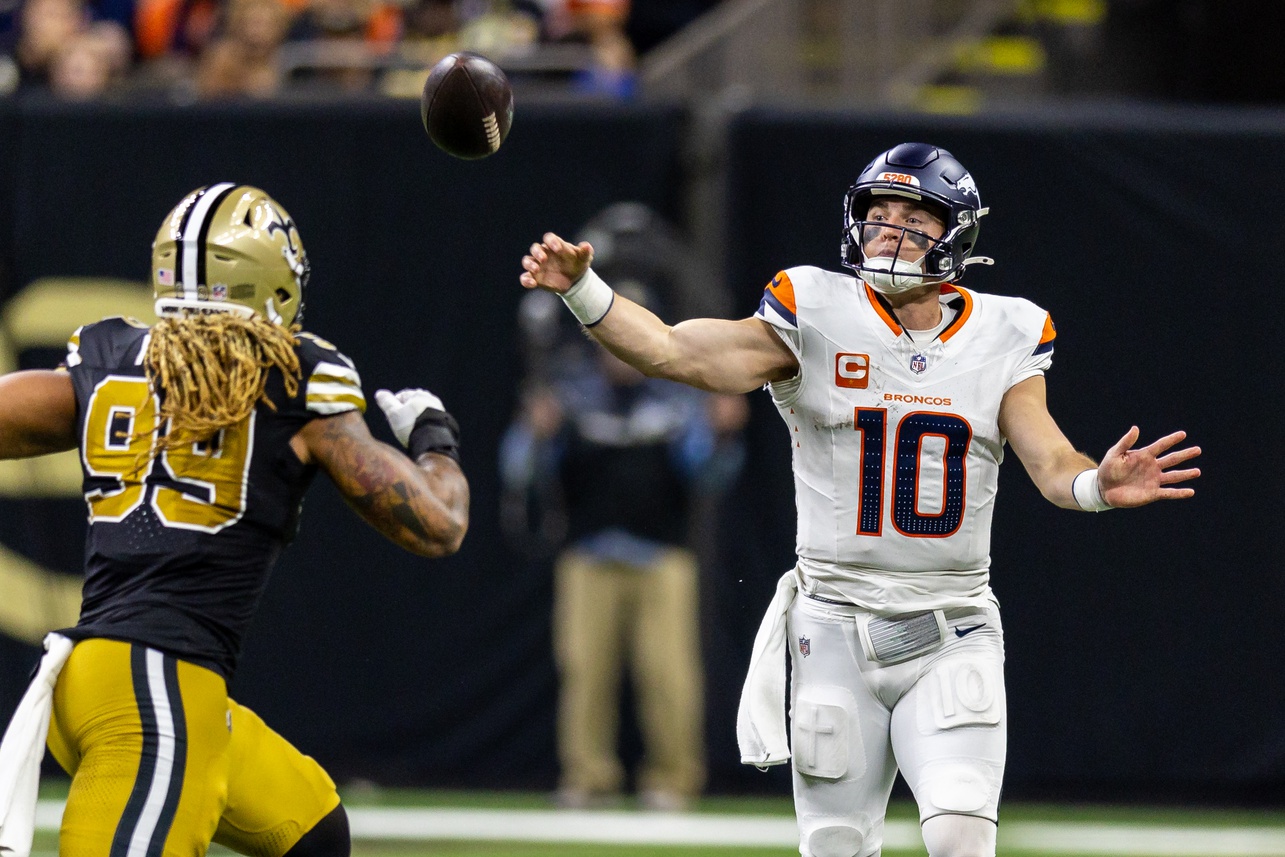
(938,717)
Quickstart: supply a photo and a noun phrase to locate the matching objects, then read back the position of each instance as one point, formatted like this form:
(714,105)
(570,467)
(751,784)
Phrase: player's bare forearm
(713,354)
(1049,458)
(37,413)
(422,506)
(450,487)
(1055,477)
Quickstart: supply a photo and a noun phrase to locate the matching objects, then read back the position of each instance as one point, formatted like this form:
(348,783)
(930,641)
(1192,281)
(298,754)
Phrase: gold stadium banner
(44,315)
(55,475)
(47,310)
(36,600)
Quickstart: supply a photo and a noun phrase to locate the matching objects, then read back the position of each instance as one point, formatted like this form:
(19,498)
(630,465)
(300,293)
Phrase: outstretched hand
(1135,477)
(555,264)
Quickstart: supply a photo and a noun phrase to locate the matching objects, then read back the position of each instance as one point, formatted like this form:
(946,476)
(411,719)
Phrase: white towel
(23,748)
(760,719)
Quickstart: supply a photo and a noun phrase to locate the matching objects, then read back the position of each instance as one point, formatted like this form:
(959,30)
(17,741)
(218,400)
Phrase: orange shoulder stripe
(1050,332)
(783,290)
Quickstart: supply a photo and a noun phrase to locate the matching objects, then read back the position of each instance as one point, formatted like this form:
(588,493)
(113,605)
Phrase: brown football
(467,105)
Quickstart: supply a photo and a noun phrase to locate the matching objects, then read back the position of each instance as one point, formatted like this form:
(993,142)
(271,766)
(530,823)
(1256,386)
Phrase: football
(467,105)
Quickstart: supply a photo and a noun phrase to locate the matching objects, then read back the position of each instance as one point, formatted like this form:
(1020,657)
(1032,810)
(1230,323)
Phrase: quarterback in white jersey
(896,435)
(899,389)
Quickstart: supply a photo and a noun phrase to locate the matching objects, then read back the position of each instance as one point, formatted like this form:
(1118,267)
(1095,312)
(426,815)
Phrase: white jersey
(896,445)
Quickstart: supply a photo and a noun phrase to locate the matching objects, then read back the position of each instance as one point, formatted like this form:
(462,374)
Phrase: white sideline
(631,828)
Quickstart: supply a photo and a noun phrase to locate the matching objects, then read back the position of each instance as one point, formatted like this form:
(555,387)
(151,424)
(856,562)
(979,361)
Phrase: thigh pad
(825,740)
(275,793)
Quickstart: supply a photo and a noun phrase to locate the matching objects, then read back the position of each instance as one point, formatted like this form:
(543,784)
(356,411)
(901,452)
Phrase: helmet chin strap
(270,310)
(892,276)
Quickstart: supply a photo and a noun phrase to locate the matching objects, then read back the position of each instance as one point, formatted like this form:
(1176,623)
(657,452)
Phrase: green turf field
(1027,830)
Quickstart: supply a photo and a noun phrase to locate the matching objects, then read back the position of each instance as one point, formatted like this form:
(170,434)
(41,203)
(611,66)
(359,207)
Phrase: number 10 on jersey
(908,450)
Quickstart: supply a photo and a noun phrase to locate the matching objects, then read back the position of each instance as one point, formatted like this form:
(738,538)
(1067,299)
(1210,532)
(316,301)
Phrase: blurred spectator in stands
(9,24)
(44,27)
(60,48)
(652,22)
(434,28)
(9,10)
(430,31)
(8,75)
(175,31)
(431,20)
(601,25)
(244,59)
(92,62)
(342,41)
(46,31)
(498,27)
(9,29)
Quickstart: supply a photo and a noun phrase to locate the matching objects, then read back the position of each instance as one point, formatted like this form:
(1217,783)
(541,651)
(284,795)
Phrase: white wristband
(589,298)
(1088,493)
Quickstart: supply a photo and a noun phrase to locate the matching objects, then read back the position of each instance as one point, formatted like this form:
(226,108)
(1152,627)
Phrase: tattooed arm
(422,506)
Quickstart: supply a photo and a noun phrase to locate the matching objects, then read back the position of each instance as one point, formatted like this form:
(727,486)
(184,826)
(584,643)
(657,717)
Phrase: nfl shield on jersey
(896,443)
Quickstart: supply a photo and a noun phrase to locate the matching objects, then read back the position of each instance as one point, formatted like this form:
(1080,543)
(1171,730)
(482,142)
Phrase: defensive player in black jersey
(198,436)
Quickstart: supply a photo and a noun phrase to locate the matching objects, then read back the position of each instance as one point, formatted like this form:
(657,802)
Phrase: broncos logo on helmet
(229,248)
(965,184)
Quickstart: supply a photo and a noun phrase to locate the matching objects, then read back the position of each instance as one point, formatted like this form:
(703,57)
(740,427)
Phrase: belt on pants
(950,613)
(893,639)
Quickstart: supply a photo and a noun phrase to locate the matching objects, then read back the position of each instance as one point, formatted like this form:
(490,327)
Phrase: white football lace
(492,127)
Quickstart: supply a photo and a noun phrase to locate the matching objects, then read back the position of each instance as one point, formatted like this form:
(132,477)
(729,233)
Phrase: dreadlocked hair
(213,369)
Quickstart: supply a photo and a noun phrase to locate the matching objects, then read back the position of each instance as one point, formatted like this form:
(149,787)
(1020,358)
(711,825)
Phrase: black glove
(435,431)
(420,422)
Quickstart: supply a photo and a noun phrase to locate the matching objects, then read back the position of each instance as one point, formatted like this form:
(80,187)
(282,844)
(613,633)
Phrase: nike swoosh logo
(964,632)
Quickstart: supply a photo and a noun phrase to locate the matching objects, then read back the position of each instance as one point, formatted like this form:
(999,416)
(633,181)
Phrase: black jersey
(181,543)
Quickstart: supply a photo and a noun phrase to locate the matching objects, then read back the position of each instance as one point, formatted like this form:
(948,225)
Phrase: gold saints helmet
(229,248)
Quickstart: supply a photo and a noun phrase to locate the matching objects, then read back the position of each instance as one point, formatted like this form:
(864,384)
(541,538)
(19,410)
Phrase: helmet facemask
(916,258)
(895,259)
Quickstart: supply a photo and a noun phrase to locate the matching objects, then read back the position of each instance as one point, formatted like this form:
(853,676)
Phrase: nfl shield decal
(805,646)
(918,364)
